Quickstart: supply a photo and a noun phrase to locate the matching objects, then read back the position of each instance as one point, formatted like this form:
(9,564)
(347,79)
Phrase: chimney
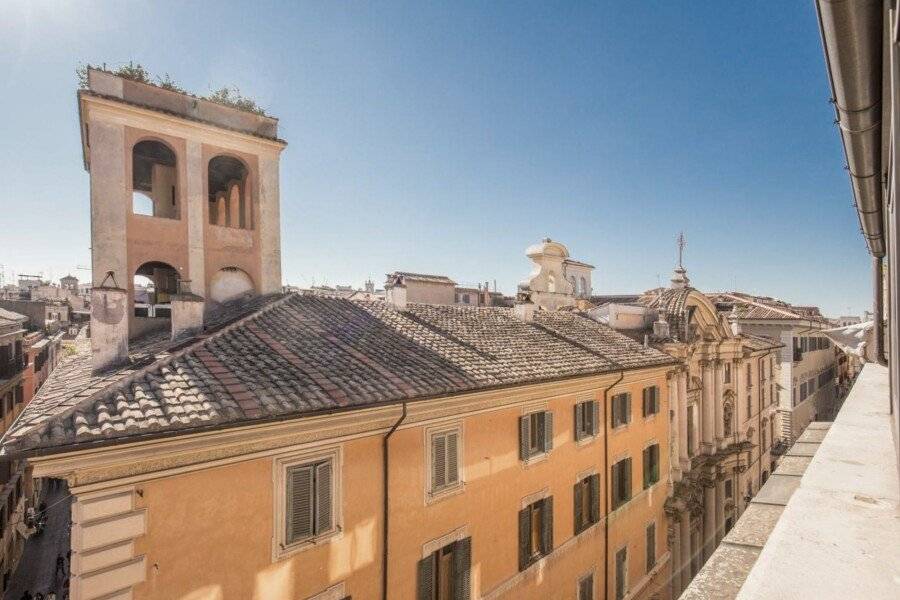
(524,307)
(661,327)
(109,327)
(187,312)
(395,292)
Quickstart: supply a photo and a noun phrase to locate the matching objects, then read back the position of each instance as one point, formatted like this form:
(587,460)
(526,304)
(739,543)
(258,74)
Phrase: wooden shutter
(438,461)
(651,546)
(452,458)
(324,504)
(547,526)
(548,431)
(627,408)
(578,503)
(579,422)
(595,418)
(524,537)
(299,504)
(645,402)
(586,588)
(626,464)
(594,486)
(524,435)
(426,579)
(646,468)
(462,569)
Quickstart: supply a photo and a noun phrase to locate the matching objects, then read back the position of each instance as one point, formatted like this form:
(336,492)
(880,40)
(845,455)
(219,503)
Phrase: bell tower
(184,209)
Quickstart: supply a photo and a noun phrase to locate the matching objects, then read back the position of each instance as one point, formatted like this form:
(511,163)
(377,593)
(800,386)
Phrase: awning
(858,340)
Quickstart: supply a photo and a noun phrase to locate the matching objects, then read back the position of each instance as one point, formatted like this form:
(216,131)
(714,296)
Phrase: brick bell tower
(184,209)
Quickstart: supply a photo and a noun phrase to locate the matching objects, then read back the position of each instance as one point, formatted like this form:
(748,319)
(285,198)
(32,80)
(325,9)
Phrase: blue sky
(448,137)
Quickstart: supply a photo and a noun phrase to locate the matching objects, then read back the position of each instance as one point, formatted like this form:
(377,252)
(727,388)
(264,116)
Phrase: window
(466,299)
(651,465)
(309,507)
(749,378)
(535,434)
(728,418)
(650,403)
(445,574)
(621,573)
(727,372)
(651,546)
(729,488)
(587,419)
(621,482)
(749,405)
(772,393)
(587,502)
(229,192)
(762,433)
(621,409)
(535,531)
(586,587)
(444,460)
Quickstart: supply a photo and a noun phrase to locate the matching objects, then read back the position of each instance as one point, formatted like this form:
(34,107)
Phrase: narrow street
(37,568)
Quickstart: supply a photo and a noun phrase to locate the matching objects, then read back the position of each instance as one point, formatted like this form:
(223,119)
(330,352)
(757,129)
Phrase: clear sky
(446,138)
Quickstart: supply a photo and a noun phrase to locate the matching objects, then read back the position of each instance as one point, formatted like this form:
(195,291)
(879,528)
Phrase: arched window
(728,418)
(154,180)
(153,287)
(574,286)
(229,193)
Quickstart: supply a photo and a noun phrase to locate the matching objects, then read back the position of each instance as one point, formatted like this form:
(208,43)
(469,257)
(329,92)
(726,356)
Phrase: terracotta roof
(304,354)
(420,277)
(751,307)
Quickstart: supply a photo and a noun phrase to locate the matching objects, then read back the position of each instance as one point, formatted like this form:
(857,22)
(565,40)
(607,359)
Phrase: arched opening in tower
(229,193)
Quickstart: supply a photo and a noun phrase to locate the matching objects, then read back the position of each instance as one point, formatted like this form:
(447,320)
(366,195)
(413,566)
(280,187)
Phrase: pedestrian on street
(39,596)
(51,595)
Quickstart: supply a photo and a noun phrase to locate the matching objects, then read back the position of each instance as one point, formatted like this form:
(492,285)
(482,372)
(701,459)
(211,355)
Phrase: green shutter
(524,434)
(595,418)
(462,569)
(426,579)
(627,465)
(548,431)
(438,461)
(645,458)
(594,486)
(579,422)
(651,546)
(524,537)
(577,503)
(547,526)
(452,458)
(645,397)
(324,504)
(299,505)
(627,407)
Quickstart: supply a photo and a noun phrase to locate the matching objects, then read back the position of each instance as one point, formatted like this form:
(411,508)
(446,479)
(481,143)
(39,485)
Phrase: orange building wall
(209,532)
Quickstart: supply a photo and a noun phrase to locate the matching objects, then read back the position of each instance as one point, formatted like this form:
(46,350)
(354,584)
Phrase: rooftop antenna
(681,244)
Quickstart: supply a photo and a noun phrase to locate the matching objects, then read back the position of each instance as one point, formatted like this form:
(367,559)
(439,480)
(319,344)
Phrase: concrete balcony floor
(826,525)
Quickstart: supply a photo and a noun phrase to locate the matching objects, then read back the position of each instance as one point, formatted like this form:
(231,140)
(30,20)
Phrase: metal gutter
(852,39)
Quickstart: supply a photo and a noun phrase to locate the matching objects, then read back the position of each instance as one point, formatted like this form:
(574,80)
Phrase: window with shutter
(621,573)
(651,546)
(621,409)
(586,587)
(586,419)
(651,465)
(587,502)
(535,531)
(535,434)
(444,460)
(621,478)
(308,508)
(650,404)
(445,574)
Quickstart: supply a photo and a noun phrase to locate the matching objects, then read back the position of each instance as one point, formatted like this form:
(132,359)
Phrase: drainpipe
(762,393)
(385,515)
(606,488)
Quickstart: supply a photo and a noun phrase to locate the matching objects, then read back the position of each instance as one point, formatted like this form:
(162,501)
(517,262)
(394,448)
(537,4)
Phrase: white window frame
(281,464)
(431,494)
